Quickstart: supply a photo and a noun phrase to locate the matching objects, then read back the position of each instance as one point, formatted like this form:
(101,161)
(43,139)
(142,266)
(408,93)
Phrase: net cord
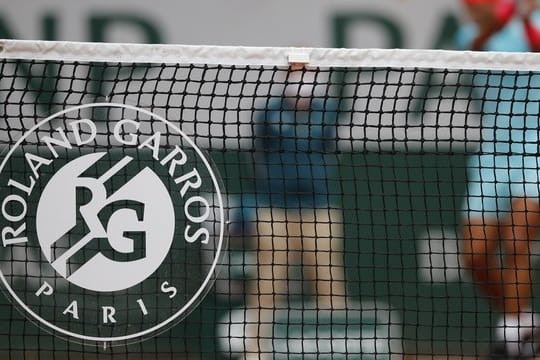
(266,56)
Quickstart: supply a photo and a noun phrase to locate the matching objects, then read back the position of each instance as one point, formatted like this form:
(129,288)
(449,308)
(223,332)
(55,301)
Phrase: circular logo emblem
(104,211)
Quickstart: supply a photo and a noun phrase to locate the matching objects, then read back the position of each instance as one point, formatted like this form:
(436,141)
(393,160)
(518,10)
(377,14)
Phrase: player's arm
(266,125)
(501,13)
(330,124)
(531,30)
(266,136)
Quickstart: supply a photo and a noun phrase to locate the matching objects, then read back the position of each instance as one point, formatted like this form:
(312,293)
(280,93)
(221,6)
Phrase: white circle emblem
(106,205)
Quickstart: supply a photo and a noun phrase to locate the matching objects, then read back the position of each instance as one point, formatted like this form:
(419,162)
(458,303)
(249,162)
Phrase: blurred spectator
(296,221)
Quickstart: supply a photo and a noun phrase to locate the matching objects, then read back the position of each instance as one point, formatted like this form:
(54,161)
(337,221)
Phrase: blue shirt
(293,160)
(510,99)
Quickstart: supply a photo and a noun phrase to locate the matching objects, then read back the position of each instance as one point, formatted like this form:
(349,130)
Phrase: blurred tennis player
(502,208)
(296,222)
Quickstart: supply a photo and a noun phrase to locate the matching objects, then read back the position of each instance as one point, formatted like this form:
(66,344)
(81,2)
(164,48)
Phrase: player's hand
(527,7)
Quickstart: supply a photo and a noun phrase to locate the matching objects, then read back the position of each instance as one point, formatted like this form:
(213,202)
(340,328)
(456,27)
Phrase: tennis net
(162,202)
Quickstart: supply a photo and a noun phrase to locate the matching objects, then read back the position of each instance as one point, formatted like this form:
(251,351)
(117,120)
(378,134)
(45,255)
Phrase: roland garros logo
(114,230)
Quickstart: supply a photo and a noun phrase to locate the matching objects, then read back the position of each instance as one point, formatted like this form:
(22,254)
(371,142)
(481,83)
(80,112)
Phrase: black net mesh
(355,202)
